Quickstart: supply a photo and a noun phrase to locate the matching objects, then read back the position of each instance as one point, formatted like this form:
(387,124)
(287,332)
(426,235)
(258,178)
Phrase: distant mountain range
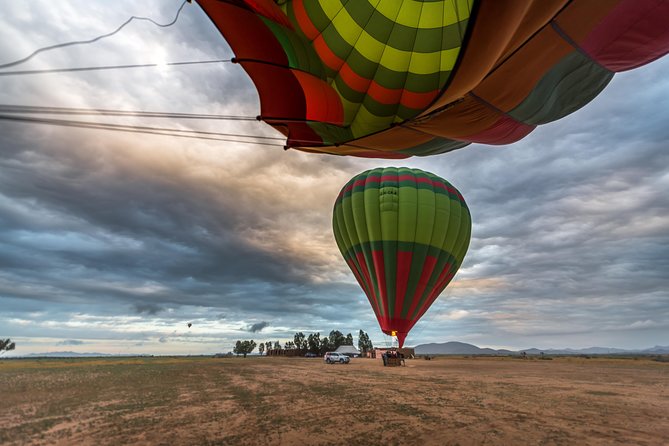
(461,348)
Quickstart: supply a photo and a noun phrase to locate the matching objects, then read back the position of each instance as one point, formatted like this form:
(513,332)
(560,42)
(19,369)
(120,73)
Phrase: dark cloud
(257,327)
(148,308)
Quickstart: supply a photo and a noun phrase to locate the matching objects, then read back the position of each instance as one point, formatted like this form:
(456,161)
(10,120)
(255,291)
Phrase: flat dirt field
(295,401)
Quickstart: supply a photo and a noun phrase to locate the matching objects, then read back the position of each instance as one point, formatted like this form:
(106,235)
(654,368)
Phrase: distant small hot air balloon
(404,233)
(189,325)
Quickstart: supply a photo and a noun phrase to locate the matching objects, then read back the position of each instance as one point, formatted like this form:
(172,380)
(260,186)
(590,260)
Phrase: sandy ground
(294,401)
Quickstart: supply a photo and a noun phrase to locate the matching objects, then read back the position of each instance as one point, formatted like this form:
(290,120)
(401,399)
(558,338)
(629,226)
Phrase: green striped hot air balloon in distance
(404,234)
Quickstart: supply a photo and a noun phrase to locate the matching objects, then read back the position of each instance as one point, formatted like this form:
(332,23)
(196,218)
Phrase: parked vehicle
(311,355)
(332,357)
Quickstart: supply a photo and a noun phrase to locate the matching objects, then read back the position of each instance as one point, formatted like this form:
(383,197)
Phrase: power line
(179,133)
(107,67)
(83,42)
(30,109)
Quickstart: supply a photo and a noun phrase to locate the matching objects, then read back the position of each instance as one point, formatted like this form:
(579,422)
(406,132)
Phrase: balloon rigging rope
(95,39)
(179,133)
(9,112)
(33,109)
(109,67)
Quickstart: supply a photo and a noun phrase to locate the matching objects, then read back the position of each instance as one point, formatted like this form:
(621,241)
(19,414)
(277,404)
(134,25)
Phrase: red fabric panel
(322,101)
(303,20)
(287,102)
(400,326)
(634,33)
(505,131)
(246,33)
(402,279)
(270,10)
(428,267)
(380,273)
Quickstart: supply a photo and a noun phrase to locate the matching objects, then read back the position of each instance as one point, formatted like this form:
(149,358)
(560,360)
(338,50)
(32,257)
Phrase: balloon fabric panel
(335,76)
(404,233)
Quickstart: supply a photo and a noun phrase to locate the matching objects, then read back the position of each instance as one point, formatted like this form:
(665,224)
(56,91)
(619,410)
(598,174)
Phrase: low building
(348,350)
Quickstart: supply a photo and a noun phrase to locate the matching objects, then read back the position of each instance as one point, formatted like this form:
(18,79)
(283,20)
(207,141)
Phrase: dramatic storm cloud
(255,328)
(114,241)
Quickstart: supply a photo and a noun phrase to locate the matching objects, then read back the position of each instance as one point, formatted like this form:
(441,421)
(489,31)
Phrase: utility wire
(82,42)
(180,133)
(107,67)
(30,109)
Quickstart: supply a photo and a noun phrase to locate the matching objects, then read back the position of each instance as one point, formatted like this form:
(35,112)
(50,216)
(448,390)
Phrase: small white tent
(348,350)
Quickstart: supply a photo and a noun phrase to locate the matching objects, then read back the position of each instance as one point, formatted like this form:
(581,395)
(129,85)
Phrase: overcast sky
(113,242)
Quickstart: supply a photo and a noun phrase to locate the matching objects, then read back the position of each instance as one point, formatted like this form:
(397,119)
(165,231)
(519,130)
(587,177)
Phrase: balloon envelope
(404,233)
(393,78)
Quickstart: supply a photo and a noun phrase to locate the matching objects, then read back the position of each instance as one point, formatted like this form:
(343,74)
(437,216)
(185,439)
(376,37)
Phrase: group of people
(393,354)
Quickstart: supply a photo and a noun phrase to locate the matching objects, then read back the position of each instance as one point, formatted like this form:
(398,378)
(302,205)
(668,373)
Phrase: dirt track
(291,401)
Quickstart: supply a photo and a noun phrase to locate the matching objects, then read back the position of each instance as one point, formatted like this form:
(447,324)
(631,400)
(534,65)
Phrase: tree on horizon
(6,345)
(244,347)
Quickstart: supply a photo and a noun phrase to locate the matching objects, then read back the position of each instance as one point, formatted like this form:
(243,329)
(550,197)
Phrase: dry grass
(272,401)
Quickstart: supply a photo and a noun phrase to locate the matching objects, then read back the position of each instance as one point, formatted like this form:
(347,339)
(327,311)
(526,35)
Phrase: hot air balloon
(404,233)
(398,78)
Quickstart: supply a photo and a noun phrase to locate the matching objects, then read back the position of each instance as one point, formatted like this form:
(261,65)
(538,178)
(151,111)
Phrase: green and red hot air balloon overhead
(404,233)
(398,78)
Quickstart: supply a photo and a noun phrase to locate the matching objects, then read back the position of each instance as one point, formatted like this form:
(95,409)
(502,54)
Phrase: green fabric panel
(344,242)
(353,98)
(426,215)
(411,45)
(317,16)
(389,207)
(357,204)
(449,238)
(412,215)
(300,53)
(377,24)
(423,83)
(331,133)
(349,222)
(408,211)
(365,121)
(453,228)
(401,246)
(366,190)
(568,86)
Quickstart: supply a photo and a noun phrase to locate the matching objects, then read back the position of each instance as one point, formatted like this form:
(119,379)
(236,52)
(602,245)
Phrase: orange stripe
(420,101)
(381,94)
(303,20)
(352,79)
(329,58)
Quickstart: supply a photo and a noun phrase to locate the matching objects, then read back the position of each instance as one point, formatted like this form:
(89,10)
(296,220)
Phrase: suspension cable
(34,109)
(95,39)
(180,133)
(108,67)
